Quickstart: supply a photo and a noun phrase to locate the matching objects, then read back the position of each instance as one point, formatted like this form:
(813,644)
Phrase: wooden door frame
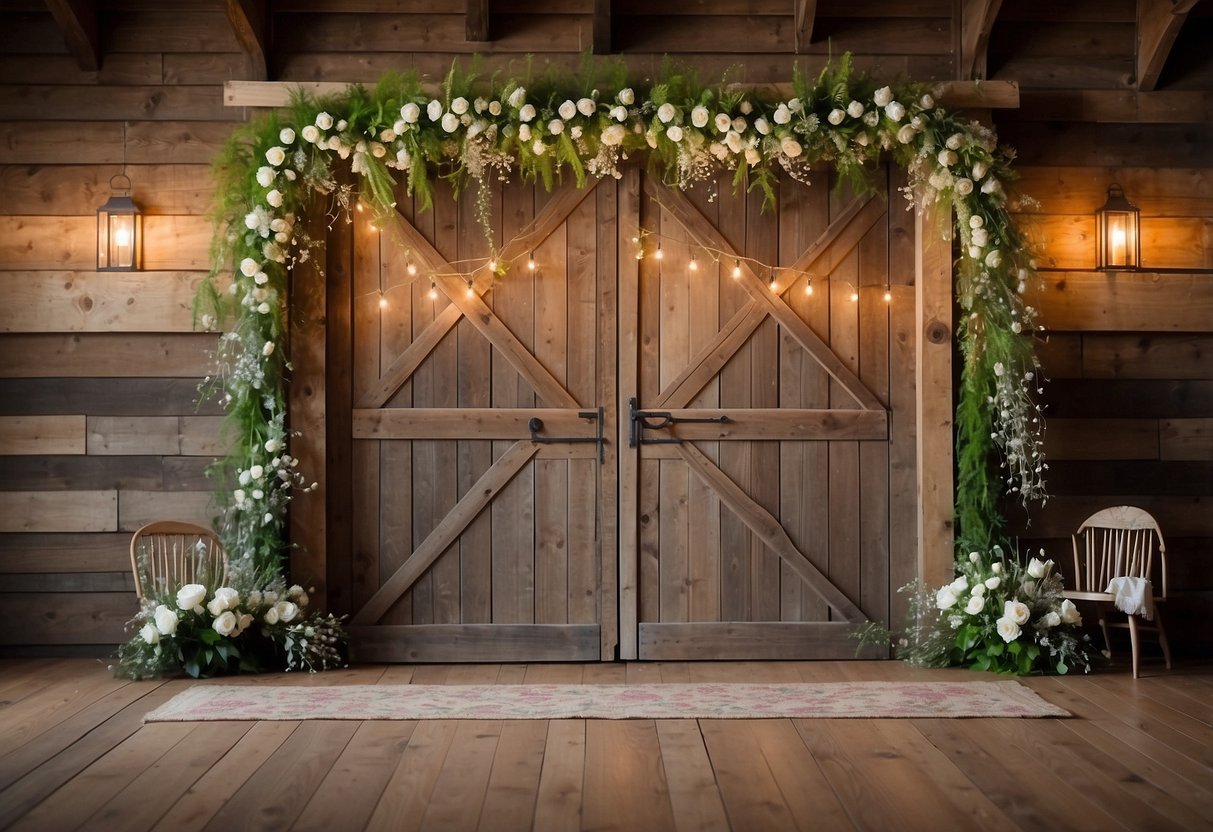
(321,406)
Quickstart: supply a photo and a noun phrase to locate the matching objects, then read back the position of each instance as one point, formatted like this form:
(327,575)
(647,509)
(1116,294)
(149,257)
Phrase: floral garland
(277,169)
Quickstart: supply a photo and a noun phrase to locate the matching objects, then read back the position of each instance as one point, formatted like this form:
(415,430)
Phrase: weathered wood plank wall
(98,426)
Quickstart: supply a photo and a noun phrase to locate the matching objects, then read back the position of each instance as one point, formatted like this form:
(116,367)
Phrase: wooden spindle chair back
(168,554)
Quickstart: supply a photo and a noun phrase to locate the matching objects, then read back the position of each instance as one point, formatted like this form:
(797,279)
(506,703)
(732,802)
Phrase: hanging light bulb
(694,264)
(433,290)
(737,269)
(854,294)
(888,293)
(530,263)
(658,253)
(411,268)
(382,301)
(471,292)
(808,286)
(493,264)
(360,208)
(774,283)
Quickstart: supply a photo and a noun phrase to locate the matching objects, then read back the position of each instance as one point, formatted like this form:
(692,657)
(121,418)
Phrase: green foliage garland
(278,168)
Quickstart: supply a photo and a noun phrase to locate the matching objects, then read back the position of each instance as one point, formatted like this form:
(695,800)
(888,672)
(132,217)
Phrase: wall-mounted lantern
(119,230)
(1117,228)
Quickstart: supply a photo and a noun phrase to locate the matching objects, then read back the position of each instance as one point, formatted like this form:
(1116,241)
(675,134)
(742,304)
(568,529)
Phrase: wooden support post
(804,12)
(77,20)
(933,311)
(1158,24)
(976,21)
(600,37)
(477,20)
(248,21)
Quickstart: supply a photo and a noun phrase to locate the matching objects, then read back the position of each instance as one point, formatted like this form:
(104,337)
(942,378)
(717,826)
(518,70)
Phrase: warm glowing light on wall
(530,262)
(737,269)
(694,264)
(411,268)
(808,286)
(1117,229)
(433,290)
(119,230)
(854,295)
(888,293)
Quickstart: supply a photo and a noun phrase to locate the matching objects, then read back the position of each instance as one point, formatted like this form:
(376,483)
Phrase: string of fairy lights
(648,246)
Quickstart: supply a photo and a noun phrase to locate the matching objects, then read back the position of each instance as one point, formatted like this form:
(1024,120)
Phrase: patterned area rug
(831,700)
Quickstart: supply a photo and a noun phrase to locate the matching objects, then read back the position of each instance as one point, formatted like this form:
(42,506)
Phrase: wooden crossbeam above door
(77,21)
(697,225)
(1158,24)
(248,21)
(497,477)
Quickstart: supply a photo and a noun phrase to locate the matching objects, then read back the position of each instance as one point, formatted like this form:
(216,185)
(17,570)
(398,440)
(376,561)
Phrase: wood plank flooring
(74,754)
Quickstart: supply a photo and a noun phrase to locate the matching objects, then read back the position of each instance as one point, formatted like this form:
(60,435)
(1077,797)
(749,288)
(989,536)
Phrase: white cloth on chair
(1134,596)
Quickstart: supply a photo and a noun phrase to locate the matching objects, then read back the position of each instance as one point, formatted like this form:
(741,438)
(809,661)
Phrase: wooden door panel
(487,543)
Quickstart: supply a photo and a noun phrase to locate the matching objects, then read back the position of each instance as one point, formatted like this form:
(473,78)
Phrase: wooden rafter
(805,11)
(77,20)
(1158,24)
(477,17)
(248,21)
(600,32)
(976,21)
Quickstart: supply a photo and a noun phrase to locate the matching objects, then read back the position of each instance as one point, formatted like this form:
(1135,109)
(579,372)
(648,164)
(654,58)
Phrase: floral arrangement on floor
(999,615)
(217,632)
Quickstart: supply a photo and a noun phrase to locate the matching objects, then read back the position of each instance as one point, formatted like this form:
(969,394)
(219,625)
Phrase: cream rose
(674,133)
(287,611)
(1069,612)
(275,155)
(1038,568)
(782,114)
(517,97)
(700,116)
(790,147)
(586,106)
(149,633)
(450,122)
(225,623)
(855,109)
(836,116)
(527,112)
(166,620)
(434,109)
(190,596)
(1016,611)
(271,616)
(976,604)
(666,113)
(614,135)
(1008,630)
(410,113)
(627,96)
(324,121)
(459,106)
(945,598)
(724,123)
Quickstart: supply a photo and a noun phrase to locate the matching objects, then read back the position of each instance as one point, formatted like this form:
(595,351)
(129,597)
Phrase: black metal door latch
(536,425)
(642,420)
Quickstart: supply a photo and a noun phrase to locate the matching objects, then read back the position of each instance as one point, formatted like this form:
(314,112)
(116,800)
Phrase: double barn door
(607,456)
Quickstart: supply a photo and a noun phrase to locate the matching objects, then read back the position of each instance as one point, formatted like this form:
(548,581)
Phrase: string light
(774,283)
(411,268)
(808,285)
(359,207)
(694,264)
(493,264)
(530,263)
(659,254)
(854,294)
(382,301)
(471,292)
(888,293)
(433,290)
(737,269)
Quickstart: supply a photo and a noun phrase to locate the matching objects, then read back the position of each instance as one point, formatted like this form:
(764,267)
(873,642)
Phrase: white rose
(906,134)
(963,186)
(459,106)
(674,133)
(794,105)
(286,135)
(1016,611)
(752,156)
(410,113)
(947,158)
(539,148)
(926,102)
(275,155)
(855,109)
(790,147)
(762,126)
(1038,568)
(976,604)
(586,106)
(271,616)
(960,584)
(272,446)
(1050,620)
(980,169)
(734,141)
(980,237)
(980,589)
(739,124)
(264,308)
(650,139)
(524,132)
(215,606)
(991,186)
(324,121)
(555,127)
(666,112)
(718,150)
(619,113)
(342,124)
(700,116)
(378,150)
(494,108)
(225,623)
(999,369)
(724,122)
(976,221)
(1069,612)
(268,349)
(954,141)
(994,259)
(996,568)
(434,109)
(166,620)
(190,596)
(229,597)
(450,122)
(883,96)
(527,113)
(517,97)
(626,96)
(567,109)
(945,598)
(993,583)
(1008,629)
(836,116)
(614,135)
(274,198)
(287,611)
(310,133)
(265,176)
(150,634)
(895,111)
(746,107)
(782,114)
(249,267)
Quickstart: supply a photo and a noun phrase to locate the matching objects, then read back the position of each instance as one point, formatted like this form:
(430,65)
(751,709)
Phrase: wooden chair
(1122,541)
(169,554)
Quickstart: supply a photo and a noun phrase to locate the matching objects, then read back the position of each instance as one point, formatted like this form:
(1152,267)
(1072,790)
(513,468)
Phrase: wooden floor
(1136,755)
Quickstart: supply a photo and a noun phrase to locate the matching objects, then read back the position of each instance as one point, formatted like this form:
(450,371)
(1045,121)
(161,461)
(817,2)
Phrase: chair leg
(1162,637)
(1107,642)
(1133,642)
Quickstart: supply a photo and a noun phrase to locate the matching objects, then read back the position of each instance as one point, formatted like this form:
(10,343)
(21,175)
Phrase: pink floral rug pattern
(832,700)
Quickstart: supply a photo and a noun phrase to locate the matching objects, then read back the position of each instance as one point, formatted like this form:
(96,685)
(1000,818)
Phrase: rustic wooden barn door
(763,480)
(480,480)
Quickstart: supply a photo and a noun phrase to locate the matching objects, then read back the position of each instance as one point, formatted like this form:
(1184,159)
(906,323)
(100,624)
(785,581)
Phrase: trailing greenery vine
(275,170)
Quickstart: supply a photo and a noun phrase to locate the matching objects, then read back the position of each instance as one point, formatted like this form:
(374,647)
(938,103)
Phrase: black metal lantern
(119,230)
(1118,225)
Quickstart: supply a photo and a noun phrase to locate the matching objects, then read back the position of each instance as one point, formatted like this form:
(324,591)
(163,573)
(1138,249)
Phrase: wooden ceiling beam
(249,22)
(976,22)
(477,20)
(804,11)
(1158,24)
(600,28)
(77,21)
